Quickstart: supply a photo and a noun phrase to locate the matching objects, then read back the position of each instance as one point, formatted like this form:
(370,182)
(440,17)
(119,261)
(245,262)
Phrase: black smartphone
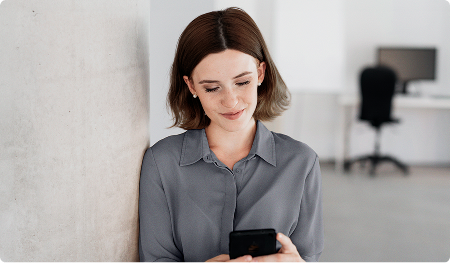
(258,242)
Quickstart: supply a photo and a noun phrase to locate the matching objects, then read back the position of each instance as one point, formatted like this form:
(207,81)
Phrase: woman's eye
(243,83)
(211,89)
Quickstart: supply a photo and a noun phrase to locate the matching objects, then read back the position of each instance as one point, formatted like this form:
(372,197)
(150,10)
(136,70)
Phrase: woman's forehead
(226,64)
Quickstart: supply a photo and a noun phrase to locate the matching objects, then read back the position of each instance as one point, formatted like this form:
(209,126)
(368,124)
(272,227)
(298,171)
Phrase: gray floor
(389,217)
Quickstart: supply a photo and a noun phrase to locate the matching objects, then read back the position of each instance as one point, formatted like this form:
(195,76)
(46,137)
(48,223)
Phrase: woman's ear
(261,71)
(189,84)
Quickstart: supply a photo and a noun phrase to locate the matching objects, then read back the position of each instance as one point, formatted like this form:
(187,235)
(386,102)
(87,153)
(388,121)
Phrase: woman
(227,171)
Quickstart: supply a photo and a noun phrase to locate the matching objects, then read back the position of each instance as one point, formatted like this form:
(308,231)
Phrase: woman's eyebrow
(208,81)
(242,74)
(216,81)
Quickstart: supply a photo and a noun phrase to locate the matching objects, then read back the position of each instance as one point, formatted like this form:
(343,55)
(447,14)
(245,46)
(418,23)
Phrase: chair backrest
(377,89)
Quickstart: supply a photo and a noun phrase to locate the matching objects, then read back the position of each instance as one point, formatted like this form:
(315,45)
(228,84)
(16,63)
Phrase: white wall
(74,128)
(167,21)
(309,44)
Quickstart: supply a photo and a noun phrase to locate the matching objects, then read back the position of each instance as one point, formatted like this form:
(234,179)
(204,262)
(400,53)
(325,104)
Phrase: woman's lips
(233,115)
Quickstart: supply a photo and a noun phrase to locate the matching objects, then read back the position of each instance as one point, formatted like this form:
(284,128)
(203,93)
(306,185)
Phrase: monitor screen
(409,63)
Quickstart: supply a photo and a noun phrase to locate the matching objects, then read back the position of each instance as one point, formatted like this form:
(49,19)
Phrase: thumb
(246,258)
(286,244)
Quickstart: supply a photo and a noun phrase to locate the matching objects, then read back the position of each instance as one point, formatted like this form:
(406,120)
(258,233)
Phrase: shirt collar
(264,144)
(196,147)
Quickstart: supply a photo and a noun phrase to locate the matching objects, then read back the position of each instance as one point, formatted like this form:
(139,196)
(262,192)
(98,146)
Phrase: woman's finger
(288,252)
(219,258)
(226,258)
(286,244)
(279,257)
(246,258)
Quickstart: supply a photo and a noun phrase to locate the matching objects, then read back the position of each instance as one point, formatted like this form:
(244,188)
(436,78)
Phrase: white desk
(346,103)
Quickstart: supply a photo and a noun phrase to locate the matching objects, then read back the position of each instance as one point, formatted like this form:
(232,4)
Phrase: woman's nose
(230,99)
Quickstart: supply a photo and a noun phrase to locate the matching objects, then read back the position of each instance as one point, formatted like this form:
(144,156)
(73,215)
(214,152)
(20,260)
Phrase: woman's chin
(236,125)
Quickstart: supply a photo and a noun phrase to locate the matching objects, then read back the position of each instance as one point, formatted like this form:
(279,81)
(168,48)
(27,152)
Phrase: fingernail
(248,258)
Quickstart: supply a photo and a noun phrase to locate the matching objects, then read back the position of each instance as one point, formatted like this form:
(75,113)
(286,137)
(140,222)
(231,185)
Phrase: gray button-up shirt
(190,201)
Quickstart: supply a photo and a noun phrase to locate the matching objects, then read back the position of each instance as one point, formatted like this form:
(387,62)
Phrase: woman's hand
(226,258)
(288,252)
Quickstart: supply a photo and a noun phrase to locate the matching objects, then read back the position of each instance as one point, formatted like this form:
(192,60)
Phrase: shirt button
(238,170)
(208,157)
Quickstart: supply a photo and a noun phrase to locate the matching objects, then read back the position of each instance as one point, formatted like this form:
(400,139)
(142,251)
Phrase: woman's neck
(230,147)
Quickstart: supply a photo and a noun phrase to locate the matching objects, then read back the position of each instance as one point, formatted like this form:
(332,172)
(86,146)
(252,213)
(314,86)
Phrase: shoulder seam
(316,158)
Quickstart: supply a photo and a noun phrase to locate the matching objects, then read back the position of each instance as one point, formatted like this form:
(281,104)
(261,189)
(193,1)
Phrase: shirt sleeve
(156,242)
(308,235)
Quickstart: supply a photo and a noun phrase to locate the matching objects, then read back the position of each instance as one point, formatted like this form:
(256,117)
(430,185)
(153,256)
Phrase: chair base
(374,161)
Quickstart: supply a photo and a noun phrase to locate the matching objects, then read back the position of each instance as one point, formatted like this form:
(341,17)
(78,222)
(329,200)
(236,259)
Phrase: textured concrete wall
(74,127)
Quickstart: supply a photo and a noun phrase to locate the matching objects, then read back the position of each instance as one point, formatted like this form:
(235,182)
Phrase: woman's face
(227,85)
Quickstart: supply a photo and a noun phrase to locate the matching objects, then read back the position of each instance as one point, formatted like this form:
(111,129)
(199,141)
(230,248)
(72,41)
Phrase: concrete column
(74,112)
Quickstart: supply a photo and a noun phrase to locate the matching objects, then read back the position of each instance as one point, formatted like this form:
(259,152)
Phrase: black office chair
(377,89)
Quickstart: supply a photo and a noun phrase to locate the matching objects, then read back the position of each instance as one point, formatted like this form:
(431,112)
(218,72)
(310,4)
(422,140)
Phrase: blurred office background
(320,47)
(83,88)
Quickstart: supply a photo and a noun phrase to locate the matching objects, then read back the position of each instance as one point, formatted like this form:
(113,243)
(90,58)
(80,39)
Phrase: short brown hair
(215,32)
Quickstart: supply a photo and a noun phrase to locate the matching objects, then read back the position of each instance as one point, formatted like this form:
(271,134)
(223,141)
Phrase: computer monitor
(409,63)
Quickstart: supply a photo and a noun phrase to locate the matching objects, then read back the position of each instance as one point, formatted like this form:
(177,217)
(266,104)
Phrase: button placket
(229,209)
(239,174)
(239,167)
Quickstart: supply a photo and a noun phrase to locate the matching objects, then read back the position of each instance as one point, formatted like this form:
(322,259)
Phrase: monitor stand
(403,91)
(403,87)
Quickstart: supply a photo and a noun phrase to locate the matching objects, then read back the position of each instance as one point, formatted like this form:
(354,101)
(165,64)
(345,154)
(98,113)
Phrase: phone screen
(258,242)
